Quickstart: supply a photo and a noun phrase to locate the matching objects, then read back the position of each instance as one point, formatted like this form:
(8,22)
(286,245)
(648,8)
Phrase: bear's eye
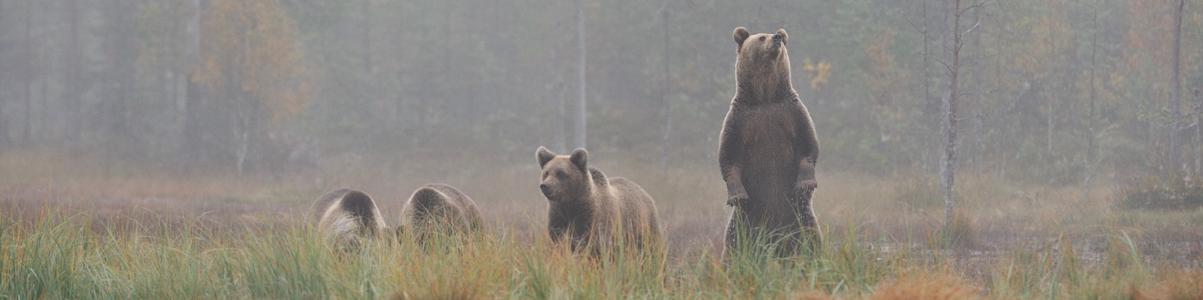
(761,38)
(561,175)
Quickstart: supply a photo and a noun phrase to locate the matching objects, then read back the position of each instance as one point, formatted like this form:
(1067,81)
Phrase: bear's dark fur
(768,151)
(439,207)
(591,209)
(346,217)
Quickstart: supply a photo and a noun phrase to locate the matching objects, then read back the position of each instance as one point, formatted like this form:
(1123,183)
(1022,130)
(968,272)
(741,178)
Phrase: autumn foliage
(251,53)
(251,64)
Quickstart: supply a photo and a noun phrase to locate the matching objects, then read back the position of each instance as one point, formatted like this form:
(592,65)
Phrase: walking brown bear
(768,152)
(587,207)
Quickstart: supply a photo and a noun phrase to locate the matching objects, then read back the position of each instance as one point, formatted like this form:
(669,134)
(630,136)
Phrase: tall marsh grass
(63,258)
(71,230)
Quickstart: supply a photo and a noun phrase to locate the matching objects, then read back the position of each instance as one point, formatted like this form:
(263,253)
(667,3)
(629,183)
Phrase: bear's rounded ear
(544,156)
(580,158)
(741,34)
(784,36)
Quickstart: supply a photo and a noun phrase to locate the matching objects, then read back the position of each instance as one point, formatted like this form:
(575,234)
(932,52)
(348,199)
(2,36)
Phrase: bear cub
(346,218)
(439,208)
(593,211)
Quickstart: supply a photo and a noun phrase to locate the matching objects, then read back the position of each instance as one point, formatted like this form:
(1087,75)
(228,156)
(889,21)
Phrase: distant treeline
(1051,91)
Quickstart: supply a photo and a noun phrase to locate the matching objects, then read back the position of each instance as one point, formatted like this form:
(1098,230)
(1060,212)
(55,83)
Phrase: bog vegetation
(135,235)
(169,149)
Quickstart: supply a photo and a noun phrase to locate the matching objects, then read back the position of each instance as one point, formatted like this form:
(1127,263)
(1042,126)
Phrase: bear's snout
(546,190)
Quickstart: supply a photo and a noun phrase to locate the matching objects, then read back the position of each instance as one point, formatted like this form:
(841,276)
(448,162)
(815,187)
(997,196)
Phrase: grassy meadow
(74,228)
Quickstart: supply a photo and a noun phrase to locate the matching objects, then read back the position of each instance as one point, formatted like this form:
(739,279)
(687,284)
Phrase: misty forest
(971,149)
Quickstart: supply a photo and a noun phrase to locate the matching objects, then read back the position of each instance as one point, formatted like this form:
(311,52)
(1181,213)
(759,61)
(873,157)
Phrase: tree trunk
(930,107)
(1090,130)
(1050,95)
(171,69)
(1198,130)
(191,145)
(563,140)
(367,38)
(581,111)
(3,80)
(242,127)
(37,127)
(950,119)
(127,52)
(665,91)
(251,137)
(1176,93)
(242,103)
(73,86)
(6,123)
(973,157)
(244,146)
(27,77)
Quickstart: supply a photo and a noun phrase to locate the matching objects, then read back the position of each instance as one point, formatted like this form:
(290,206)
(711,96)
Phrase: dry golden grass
(1174,285)
(883,235)
(922,284)
(811,295)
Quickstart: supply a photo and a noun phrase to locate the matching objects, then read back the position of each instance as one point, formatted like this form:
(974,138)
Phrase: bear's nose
(546,189)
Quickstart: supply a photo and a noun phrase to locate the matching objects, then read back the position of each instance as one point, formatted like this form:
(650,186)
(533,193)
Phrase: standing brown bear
(591,209)
(439,207)
(768,151)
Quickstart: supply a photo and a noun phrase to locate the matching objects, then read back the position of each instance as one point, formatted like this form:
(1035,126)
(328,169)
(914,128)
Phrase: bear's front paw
(737,199)
(804,186)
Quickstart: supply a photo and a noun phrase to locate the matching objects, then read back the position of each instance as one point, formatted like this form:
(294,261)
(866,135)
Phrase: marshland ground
(170,149)
(73,226)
